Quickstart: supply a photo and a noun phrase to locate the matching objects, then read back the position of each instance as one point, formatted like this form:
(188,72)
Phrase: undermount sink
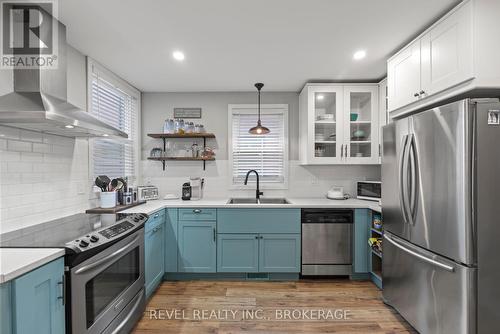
(243,200)
(274,201)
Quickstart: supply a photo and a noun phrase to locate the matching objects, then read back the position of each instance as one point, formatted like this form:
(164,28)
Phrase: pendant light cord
(259,106)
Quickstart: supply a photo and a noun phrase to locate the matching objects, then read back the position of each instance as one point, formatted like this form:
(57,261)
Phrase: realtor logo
(29,34)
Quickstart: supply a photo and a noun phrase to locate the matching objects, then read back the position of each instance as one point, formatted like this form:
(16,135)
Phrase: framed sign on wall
(187,112)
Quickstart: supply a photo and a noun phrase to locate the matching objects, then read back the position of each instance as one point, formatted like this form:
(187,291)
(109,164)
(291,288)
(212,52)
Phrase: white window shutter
(118,108)
(264,153)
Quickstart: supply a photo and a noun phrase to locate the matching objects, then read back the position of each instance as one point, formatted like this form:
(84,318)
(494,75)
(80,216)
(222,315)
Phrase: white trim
(265,109)
(123,85)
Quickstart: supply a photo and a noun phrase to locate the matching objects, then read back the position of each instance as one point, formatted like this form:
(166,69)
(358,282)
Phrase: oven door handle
(108,257)
(137,303)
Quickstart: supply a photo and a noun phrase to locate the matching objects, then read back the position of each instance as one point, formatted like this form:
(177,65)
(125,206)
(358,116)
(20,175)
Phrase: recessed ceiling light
(320,97)
(105,135)
(178,55)
(358,55)
(69,126)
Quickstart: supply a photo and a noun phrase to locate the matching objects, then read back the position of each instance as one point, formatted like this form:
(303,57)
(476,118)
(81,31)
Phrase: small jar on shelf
(169,126)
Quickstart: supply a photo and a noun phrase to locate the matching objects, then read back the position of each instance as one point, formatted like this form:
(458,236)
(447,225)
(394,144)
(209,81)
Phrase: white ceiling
(231,44)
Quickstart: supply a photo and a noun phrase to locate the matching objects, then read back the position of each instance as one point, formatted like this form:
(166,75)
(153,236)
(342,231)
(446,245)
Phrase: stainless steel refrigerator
(441,207)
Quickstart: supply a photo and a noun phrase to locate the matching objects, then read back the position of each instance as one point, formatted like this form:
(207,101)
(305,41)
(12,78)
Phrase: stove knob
(83,244)
(94,238)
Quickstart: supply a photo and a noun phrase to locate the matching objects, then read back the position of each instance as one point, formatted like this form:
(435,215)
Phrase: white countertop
(154,205)
(15,262)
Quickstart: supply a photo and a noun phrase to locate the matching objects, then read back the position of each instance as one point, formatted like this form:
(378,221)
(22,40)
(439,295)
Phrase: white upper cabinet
(322,122)
(446,52)
(403,76)
(439,59)
(361,125)
(339,124)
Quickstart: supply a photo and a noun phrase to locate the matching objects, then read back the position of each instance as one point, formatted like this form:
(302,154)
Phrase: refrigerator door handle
(413,167)
(402,178)
(419,256)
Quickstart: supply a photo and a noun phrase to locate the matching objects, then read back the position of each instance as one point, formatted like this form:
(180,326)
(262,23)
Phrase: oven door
(102,286)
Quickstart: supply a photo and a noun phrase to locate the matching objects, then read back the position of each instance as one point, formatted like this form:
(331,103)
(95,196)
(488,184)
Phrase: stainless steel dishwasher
(327,241)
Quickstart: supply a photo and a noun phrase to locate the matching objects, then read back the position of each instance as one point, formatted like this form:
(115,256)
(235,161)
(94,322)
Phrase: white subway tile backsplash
(62,150)
(31,157)
(19,167)
(8,156)
(10,178)
(42,148)
(39,174)
(31,177)
(19,146)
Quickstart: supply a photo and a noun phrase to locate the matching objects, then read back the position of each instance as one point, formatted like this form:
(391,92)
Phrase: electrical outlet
(314,179)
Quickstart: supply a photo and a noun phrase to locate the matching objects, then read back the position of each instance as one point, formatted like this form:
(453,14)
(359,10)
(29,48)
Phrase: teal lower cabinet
(361,248)
(171,240)
(154,251)
(258,240)
(6,308)
(197,246)
(37,301)
(279,253)
(238,253)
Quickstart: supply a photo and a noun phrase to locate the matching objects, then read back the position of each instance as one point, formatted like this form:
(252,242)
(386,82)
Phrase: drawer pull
(157,215)
(196,211)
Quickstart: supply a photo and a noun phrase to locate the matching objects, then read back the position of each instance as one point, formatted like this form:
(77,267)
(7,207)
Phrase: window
(116,103)
(267,154)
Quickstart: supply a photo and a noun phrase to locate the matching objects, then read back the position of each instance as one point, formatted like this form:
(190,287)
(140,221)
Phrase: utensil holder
(108,199)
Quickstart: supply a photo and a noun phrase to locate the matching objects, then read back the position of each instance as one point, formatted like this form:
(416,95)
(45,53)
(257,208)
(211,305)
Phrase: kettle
(336,192)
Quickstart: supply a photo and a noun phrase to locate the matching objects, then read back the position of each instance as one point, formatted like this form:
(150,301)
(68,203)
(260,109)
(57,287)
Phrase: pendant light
(259,129)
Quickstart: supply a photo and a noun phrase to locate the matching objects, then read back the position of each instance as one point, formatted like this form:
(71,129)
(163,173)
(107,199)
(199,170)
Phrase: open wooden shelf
(115,209)
(166,136)
(177,135)
(180,159)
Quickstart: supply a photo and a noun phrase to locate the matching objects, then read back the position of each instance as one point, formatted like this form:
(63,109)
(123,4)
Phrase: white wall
(42,177)
(304,181)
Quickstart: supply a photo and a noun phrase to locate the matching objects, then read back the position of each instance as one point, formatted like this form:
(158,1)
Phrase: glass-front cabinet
(325,124)
(362,119)
(339,124)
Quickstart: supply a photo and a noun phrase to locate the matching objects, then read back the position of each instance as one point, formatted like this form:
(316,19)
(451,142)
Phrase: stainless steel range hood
(37,100)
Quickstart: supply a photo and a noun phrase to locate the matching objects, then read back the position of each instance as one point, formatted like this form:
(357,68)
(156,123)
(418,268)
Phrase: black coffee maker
(186,191)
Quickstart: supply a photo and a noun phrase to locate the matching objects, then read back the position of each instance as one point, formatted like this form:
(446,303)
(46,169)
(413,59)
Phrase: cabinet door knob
(416,94)
(421,92)
(256,237)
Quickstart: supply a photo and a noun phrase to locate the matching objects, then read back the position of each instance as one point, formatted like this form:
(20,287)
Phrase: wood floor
(219,307)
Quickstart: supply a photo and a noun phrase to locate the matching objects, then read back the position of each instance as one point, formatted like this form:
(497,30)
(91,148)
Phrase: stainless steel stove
(104,268)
